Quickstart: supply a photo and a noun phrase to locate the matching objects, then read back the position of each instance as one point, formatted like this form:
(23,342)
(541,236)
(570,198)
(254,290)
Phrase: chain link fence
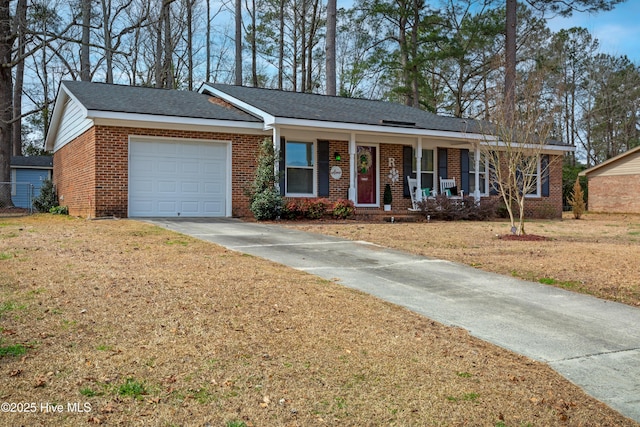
(16,198)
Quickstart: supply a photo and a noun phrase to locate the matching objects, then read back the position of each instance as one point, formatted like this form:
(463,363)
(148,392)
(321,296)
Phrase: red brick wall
(616,194)
(74,175)
(100,188)
(91,172)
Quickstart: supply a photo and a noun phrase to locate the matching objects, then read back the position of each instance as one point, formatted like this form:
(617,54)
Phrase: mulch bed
(524,237)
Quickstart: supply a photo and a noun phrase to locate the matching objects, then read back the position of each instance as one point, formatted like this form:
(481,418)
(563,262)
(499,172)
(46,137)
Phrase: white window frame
(313,168)
(537,174)
(472,178)
(433,173)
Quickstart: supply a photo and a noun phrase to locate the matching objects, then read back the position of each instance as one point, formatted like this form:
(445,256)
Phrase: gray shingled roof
(309,106)
(143,100)
(32,161)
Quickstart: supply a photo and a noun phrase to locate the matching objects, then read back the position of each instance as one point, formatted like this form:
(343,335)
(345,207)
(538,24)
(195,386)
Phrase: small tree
(265,199)
(48,197)
(387,196)
(577,200)
(514,144)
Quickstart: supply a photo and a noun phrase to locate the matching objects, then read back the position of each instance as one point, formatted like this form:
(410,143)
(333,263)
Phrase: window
(482,174)
(532,166)
(427,168)
(299,171)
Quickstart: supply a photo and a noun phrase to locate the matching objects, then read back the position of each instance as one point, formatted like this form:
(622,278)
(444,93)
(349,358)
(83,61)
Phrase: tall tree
(559,7)
(85,59)
(330,47)
(7,37)
(238,41)
(21,29)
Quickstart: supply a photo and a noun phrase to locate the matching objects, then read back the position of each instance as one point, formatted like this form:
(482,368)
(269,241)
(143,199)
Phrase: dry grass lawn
(597,254)
(141,326)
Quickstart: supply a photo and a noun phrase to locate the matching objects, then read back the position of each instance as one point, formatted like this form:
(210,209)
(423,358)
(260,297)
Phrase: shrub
(576,201)
(387,196)
(315,208)
(59,210)
(445,208)
(266,204)
(292,210)
(266,201)
(343,209)
(48,197)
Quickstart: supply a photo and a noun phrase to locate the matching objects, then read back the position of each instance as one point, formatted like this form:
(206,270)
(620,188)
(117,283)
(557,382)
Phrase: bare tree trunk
(254,47)
(168,71)
(6,97)
(85,61)
(281,45)
(238,41)
(208,45)
(302,16)
(106,33)
(330,47)
(510,60)
(190,4)
(21,26)
(158,59)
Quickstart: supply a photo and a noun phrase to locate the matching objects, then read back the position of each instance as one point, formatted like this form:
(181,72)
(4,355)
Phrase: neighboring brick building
(139,152)
(614,185)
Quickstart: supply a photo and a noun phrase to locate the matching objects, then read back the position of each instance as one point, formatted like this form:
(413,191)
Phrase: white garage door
(177,178)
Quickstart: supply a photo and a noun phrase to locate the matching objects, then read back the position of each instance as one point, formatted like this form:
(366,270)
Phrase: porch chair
(450,189)
(417,194)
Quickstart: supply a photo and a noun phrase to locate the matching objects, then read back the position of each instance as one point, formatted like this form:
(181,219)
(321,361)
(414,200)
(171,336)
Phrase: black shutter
(493,185)
(323,168)
(544,166)
(282,165)
(407,168)
(442,165)
(464,170)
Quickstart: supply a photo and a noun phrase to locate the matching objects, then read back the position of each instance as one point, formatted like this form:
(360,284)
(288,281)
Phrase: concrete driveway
(591,342)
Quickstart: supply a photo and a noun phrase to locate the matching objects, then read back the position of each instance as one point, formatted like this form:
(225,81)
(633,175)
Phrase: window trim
(486,191)
(537,174)
(433,173)
(313,168)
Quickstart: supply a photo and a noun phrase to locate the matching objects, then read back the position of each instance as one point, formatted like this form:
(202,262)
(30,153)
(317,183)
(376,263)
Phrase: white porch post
(476,159)
(419,166)
(352,168)
(276,149)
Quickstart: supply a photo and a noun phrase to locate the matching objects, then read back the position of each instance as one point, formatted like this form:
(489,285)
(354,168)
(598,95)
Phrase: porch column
(352,168)
(476,159)
(419,166)
(276,149)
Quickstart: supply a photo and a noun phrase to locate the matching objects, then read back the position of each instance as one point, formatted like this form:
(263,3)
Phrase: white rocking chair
(446,185)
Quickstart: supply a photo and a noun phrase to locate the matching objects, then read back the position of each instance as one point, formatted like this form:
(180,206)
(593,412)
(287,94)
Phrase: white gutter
(170,120)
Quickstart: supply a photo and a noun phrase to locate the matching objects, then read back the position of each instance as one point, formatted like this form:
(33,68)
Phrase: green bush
(343,209)
(266,205)
(59,210)
(315,208)
(266,201)
(48,197)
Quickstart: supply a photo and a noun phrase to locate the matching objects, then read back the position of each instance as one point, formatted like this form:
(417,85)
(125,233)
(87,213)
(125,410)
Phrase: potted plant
(387,198)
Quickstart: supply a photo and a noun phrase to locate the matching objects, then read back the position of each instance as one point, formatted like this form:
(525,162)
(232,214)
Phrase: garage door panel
(167,187)
(177,178)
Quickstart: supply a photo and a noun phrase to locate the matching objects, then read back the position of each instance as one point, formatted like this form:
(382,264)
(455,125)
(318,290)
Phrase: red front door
(367,177)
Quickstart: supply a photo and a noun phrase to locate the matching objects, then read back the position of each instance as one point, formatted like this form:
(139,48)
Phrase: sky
(618,31)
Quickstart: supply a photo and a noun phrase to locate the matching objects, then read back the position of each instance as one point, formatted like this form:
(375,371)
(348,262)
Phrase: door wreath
(364,160)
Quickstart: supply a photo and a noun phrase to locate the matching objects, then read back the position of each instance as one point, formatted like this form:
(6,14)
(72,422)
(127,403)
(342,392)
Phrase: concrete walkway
(591,342)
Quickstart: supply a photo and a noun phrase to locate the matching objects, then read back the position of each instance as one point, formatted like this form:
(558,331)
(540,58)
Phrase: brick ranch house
(142,152)
(614,184)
